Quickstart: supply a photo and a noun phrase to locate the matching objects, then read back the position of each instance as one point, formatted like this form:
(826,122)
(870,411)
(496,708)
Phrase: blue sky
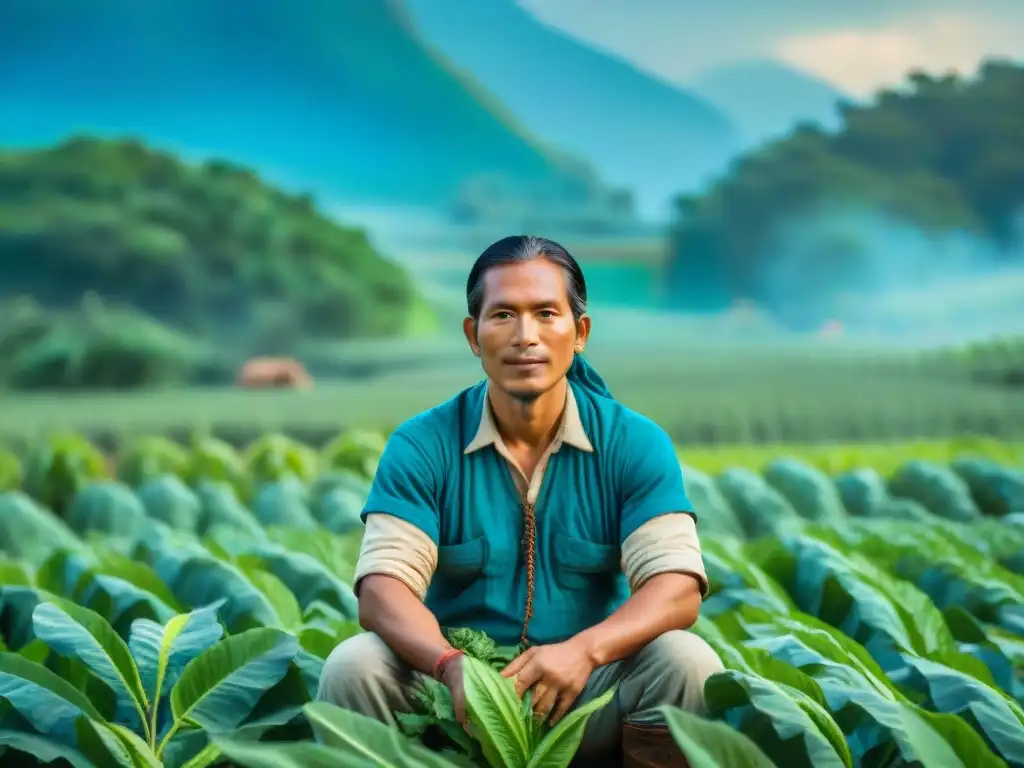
(858,47)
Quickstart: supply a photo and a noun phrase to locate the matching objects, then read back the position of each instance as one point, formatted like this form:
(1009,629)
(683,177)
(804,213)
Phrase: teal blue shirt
(589,504)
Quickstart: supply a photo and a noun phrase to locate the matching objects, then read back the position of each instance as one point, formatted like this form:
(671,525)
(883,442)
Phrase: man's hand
(556,673)
(453,678)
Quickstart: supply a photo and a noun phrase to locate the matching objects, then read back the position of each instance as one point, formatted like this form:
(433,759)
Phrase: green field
(753,393)
(175,611)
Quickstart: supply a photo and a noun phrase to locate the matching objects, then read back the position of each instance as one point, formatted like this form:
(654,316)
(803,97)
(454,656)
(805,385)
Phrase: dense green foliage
(942,155)
(91,346)
(180,615)
(208,250)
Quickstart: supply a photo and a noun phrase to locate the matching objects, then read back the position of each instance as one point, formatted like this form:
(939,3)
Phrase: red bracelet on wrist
(442,662)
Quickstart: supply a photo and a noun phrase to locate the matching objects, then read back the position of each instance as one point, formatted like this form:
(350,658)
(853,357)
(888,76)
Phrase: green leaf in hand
(495,714)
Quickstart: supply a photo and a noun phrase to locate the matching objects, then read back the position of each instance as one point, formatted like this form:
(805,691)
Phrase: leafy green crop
(504,727)
(878,620)
(166,681)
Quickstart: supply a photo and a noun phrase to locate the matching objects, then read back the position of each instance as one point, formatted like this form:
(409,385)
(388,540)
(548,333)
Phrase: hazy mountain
(332,95)
(765,99)
(637,131)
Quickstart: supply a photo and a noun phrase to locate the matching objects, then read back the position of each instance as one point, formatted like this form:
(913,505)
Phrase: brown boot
(647,746)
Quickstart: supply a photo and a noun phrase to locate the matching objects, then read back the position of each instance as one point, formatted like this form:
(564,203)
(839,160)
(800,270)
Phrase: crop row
(52,469)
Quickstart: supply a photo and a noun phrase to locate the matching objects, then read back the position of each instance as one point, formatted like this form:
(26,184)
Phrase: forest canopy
(943,154)
(204,248)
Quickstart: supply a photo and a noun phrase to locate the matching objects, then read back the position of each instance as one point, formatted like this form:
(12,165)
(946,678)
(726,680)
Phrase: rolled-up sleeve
(664,544)
(402,510)
(407,483)
(393,547)
(650,477)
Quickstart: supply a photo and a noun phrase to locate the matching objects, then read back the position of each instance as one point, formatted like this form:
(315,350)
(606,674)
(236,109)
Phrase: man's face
(526,335)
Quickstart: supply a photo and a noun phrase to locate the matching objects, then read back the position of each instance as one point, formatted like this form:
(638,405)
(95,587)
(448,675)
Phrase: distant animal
(274,372)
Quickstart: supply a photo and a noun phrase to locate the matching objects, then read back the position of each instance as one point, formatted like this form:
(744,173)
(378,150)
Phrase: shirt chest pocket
(470,560)
(583,564)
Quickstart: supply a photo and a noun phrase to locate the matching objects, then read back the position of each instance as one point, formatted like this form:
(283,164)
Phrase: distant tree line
(163,252)
(942,154)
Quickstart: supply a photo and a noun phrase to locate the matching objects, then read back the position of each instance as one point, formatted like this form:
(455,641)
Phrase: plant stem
(163,744)
(146,731)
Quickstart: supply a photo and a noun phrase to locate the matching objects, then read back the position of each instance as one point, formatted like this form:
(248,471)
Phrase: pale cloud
(860,61)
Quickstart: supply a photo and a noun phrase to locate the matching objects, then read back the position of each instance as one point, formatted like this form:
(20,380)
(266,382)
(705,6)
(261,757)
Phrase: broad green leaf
(559,745)
(44,750)
(270,755)
(760,707)
(821,718)
(319,611)
(101,745)
(318,641)
(120,601)
(536,726)
(16,606)
(29,533)
(218,689)
(46,700)
(77,632)
(142,755)
(307,578)
(993,714)
(830,586)
(357,739)
(112,563)
(837,647)
(249,755)
(14,573)
(737,568)
(870,717)
(336,552)
(710,744)
(36,651)
(199,580)
(287,608)
(161,652)
(311,668)
(493,709)
(206,757)
(916,741)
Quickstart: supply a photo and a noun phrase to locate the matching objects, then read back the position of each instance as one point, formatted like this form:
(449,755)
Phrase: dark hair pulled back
(520,248)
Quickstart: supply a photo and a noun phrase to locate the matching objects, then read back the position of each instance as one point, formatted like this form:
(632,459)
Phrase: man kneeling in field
(536,508)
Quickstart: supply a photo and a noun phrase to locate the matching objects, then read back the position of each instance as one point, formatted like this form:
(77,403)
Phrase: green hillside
(208,251)
(340,97)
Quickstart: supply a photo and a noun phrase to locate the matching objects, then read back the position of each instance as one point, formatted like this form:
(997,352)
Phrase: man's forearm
(391,610)
(667,601)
